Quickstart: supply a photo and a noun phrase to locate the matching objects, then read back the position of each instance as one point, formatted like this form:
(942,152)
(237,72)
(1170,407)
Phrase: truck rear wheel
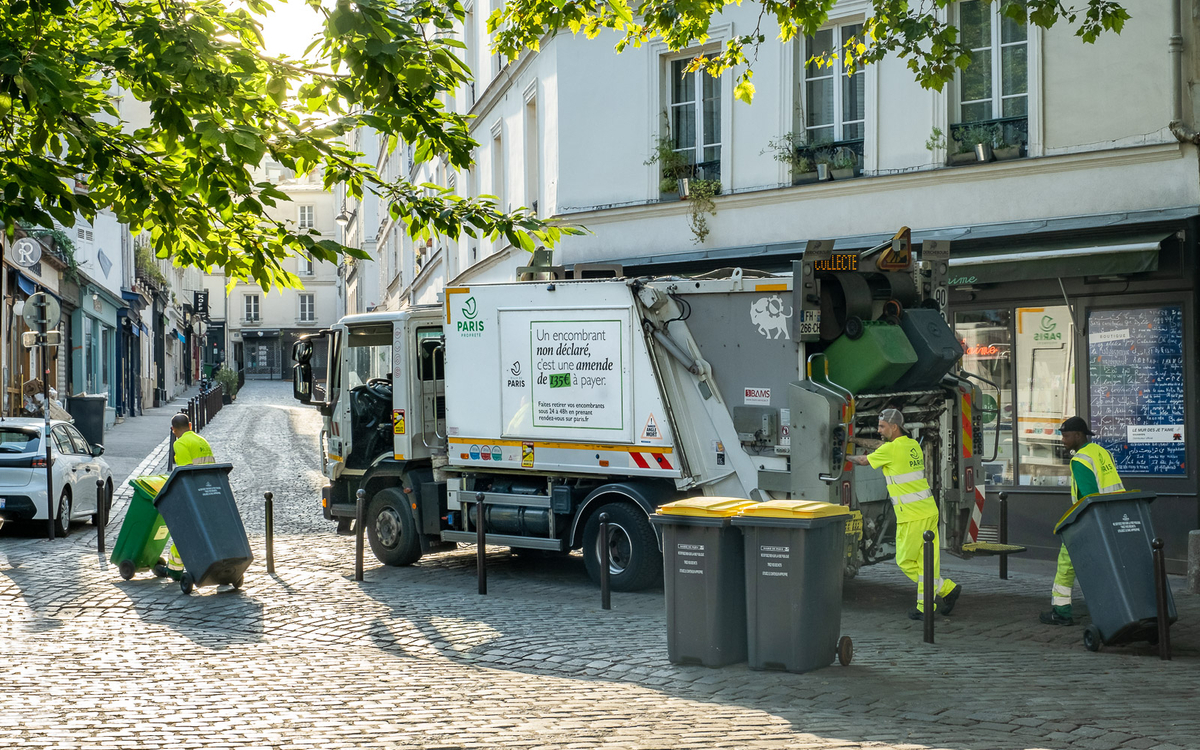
(391,529)
(634,561)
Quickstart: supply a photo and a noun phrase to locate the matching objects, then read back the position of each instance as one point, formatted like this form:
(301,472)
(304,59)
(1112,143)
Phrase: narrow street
(414,658)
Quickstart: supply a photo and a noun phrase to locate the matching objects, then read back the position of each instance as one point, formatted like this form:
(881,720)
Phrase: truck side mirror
(302,383)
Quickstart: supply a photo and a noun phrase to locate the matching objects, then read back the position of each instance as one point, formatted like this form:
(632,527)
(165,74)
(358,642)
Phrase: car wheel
(391,529)
(62,524)
(634,561)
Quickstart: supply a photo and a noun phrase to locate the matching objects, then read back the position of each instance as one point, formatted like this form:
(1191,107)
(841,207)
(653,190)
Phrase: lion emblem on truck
(767,314)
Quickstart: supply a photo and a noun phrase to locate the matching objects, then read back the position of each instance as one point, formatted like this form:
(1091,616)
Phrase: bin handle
(844,395)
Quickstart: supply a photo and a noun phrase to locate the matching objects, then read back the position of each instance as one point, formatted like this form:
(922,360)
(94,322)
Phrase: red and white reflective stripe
(650,461)
(976,517)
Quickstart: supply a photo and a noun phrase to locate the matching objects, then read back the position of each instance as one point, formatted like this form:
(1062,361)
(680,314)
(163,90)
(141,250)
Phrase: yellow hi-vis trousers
(174,561)
(910,547)
(1064,579)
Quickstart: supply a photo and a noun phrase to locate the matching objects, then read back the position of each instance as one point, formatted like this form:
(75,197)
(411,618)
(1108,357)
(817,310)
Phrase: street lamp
(343,218)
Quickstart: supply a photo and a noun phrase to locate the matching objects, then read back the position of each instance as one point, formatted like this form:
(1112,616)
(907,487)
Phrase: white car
(76,467)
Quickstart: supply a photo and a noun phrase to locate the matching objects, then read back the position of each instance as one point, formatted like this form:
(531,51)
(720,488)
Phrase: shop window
(1136,388)
(1045,375)
(986,337)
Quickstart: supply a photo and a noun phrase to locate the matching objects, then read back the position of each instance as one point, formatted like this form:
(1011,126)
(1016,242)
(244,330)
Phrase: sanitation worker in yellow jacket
(190,449)
(903,464)
(1092,472)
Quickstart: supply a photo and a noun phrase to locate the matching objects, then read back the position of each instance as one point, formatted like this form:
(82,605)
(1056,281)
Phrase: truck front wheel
(391,529)
(634,561)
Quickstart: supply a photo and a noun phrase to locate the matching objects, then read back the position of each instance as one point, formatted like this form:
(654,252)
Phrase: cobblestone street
(413,657)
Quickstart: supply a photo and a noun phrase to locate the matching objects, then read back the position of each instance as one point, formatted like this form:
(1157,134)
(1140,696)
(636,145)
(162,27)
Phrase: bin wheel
(187,583)
(854,327)
(845,650)
(1091,638)
(240,580)
(1152,638)
(126,569)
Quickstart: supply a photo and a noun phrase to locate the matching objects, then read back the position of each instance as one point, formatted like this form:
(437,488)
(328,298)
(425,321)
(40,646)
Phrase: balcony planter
(983,152)
(957,160)
(804,178)
(849,173)
(1006,153)
(667,197)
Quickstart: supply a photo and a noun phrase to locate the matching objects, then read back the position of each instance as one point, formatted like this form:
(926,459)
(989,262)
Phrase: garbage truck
(538,405)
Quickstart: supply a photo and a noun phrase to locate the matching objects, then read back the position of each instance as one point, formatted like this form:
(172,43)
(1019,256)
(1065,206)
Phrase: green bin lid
(1076,510)
(795,509)
(706,507)
(150,485)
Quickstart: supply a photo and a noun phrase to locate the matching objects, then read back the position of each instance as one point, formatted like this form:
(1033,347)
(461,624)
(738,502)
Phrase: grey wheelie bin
(1108,538)
(795,555)
(198,506)
(703,573)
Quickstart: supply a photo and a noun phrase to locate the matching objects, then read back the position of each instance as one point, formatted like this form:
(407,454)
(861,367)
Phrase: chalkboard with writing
(1136,384)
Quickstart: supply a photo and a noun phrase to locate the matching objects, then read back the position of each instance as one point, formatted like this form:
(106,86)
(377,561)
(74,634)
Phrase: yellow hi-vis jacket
(1098,461)
(903,465)
(190,449)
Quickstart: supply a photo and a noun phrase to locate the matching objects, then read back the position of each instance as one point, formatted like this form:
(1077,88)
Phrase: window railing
(706,170)
(1001,138)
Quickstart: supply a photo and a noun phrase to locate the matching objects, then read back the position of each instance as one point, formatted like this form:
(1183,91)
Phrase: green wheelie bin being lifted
(143,533)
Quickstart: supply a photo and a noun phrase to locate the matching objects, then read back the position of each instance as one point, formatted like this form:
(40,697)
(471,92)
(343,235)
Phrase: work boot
(945,604)
(160,571)
(1054,617)
(916,614)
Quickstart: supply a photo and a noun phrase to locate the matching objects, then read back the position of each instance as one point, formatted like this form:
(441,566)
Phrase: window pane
(683,126)
(976,112)
(820,102)
(1010,30)
(1014,69)
(683,85)
(817,45)
(1045,367)
(975,20)
(1016,106)
(853,97)
(986,336)
(818,135)
(977,78)
(854,132)
(712,110)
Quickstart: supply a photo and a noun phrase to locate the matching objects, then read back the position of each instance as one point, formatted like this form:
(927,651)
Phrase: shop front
(94,346)
(1100,323)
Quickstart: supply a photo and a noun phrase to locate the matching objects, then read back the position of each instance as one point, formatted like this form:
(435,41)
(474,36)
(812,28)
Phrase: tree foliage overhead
(920,33)
(218,108)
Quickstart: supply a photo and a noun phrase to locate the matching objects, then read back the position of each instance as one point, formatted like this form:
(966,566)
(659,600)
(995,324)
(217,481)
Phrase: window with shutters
(308,308)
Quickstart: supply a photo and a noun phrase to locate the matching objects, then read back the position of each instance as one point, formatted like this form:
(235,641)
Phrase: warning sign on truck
(578,371)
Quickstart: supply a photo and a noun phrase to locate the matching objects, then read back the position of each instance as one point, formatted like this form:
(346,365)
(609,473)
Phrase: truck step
(993,548)
(503,540)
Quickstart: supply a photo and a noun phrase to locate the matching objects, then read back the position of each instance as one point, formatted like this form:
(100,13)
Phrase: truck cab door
(430,369)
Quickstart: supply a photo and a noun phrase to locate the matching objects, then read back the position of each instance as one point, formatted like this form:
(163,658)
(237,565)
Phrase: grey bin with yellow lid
(704,580)
(1108,537)
(795,552)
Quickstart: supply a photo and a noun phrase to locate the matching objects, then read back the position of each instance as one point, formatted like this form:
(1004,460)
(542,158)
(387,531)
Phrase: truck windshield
(368,354)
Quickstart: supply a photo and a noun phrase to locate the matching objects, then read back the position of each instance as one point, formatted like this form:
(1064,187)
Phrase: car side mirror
(97,450)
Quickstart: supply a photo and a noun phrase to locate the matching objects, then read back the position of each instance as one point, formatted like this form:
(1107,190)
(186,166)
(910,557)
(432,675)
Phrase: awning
(179,336)
(1060,260)
(26,285)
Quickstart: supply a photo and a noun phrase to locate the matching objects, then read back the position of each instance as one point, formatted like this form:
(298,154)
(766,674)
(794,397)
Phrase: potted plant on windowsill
(672,166)
(1004,150)
(790,149)
(844,165)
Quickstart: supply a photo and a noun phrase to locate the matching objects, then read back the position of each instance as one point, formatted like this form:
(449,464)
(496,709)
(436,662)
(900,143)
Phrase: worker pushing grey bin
(1108,538)
(198,506)
(704,577)
(795,553)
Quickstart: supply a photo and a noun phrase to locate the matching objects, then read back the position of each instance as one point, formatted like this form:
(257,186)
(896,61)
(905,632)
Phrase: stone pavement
(414,658)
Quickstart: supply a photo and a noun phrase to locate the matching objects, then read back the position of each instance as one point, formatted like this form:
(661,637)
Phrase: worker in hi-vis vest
(190,449)
(903,464)
(1092,472)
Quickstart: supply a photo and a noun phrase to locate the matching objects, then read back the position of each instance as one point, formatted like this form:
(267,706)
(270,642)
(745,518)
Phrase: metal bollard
(101,516)
(605,599)
(480,544)
(360,520)
(928,587)
(270,521)
(1003,534)
(1160,595)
